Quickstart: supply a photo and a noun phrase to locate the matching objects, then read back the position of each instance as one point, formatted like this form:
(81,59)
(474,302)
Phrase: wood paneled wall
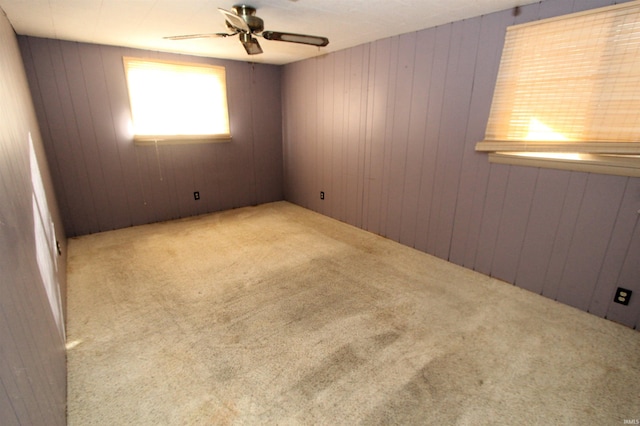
(105,182)
(32,352)
(387,130)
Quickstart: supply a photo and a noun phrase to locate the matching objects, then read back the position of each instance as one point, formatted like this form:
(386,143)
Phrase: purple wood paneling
(267,134)
(310,135)
(32,361)
(419,108)
(455,110)
(629,279)
(358,69)
(352,141)
(389,112)
(86,143)
(581,5)
(97,95)
(564,233)
(513,222)
(379,98)
(19,391)
(10,416)
(325,131)
(419,180)
(491,216)
(542,226)
(337,88)
(611,276)
(549,9)
(321,133)
(475,169)
(106,182)
(401,109)
(294,121)
(53,102)
(133,187)
(594,224)
(296,166)
(432,133)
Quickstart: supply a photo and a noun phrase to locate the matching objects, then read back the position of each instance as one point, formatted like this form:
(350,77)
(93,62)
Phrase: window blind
(569,84)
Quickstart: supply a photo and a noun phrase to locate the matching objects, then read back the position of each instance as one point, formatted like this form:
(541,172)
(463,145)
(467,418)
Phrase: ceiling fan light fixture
(250,44)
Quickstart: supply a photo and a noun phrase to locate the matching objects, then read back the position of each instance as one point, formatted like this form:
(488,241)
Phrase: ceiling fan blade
(190,36)
(250,44)
(235,21)
(296,38)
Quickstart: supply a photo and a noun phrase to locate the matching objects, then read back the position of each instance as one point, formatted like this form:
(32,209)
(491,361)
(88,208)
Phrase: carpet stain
(385,339)
(223,372)
(330,370)
(437,391)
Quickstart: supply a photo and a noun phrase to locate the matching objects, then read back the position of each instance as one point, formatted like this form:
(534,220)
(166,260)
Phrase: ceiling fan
(244,22)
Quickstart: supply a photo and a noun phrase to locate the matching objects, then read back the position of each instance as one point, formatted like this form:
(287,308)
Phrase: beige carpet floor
(277,315)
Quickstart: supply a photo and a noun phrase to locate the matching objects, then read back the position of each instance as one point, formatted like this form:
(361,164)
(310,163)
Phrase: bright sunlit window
(568,93)
(173,101)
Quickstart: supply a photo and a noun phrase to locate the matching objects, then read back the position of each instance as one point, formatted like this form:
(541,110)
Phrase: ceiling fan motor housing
(248,15)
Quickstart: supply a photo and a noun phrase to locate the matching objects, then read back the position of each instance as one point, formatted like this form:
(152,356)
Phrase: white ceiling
(144,23)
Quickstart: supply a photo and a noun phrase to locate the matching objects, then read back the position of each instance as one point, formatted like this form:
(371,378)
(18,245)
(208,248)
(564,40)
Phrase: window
(568,93)
(172,102)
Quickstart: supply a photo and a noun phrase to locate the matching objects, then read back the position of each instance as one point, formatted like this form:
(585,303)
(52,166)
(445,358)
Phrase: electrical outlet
(196,195)
(622,296)
(322,195)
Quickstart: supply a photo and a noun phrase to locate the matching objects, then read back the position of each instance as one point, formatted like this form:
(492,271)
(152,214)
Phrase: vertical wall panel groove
(388,135)
(328,183)
(84,128)
(105,136)
(542,226)
(562,239)
(456,110)
(338,193)
(432,131)
(7,409)
(591,236)
(516,212)
(491,217)
(474,173)
(378,76)
(424,49)
(362,133)
(401,110)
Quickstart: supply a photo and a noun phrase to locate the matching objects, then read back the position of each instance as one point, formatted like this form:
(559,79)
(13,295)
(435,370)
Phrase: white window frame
(606,155)
(177,102)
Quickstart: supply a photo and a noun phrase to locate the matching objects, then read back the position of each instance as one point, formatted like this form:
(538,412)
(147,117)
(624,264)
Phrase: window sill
(619,165)
(180,139)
